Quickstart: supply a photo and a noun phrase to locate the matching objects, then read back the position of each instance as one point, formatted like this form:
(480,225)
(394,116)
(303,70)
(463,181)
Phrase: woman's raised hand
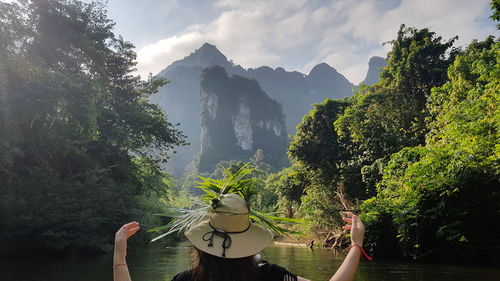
(347,271)
(124,233)
(357,228)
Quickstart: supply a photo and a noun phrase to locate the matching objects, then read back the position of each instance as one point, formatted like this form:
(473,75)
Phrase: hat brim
(245,244)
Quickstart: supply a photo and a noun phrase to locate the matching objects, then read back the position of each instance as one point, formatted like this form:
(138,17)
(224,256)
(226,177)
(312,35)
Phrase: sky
(293,34)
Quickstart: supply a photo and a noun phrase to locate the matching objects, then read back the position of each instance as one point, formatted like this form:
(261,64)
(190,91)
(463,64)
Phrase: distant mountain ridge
(237,120)
(295,92)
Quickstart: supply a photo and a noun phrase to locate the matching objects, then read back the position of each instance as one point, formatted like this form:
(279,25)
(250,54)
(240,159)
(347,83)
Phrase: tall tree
(442,196)
(341,147)
(79,136)
(391,115)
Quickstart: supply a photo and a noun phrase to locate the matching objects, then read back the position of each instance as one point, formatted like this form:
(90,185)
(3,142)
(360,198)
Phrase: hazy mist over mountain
(295,92)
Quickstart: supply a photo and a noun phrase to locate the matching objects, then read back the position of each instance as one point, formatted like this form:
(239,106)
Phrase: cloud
(251,33)
(298,34)
(154,57)
(365,26)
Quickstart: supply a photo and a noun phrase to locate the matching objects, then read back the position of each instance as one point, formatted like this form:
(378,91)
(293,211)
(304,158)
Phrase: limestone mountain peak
(322,69)
(374,66)
(376,61)
(208,51)
(205,56)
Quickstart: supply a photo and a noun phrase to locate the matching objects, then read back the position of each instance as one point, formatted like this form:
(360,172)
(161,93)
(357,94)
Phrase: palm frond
(272,223)
(183,221)
(239,183)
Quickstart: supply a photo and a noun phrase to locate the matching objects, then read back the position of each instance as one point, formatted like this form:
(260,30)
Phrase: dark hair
(206,267)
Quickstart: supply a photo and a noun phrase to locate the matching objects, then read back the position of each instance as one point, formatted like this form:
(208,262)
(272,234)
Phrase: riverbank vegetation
(417,153)
(81,147)
(80,142)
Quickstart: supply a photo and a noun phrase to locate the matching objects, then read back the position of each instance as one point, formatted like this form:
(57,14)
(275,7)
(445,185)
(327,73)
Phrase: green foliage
(75,124)
(303,195)
(316,144)
(288,185)
(291,183)
(45,216)
(342,146)
(234,182)
(391,115)
(422,143)
(495,6)
(264,197)
(316,178)
(417,62)
(444,195)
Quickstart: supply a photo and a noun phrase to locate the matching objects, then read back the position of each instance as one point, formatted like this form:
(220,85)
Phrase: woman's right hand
(121,237)
(357,228)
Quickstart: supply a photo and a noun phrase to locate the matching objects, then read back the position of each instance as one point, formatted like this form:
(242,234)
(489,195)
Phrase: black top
(268,272)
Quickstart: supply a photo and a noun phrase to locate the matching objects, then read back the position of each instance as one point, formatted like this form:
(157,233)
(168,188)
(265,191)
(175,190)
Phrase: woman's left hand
(124,233)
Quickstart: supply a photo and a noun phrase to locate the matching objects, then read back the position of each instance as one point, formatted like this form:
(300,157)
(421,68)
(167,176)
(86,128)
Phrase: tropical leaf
(272,223)
(239,183)
(183,221)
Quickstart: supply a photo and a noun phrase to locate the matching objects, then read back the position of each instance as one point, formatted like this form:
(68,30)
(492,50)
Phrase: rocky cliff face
(374,66)
(237,119)
(295,91)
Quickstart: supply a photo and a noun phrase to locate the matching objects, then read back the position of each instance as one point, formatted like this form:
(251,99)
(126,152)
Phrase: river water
(161,263)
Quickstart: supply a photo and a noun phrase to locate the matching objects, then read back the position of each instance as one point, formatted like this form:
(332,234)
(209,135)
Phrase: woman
(225,245)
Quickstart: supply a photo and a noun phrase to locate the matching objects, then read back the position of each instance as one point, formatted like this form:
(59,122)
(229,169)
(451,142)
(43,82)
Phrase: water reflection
(160,263)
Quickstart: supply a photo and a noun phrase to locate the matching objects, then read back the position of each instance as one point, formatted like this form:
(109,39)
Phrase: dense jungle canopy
(79,138)
(82,146)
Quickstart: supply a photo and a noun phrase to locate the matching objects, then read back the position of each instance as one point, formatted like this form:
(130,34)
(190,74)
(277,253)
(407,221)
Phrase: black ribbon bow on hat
(209,236)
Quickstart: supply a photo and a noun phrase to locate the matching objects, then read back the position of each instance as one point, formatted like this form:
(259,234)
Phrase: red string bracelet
(120,264)
(362,251)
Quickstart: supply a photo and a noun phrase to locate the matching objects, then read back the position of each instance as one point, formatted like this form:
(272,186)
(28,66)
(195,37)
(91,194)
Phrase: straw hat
(228,231)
